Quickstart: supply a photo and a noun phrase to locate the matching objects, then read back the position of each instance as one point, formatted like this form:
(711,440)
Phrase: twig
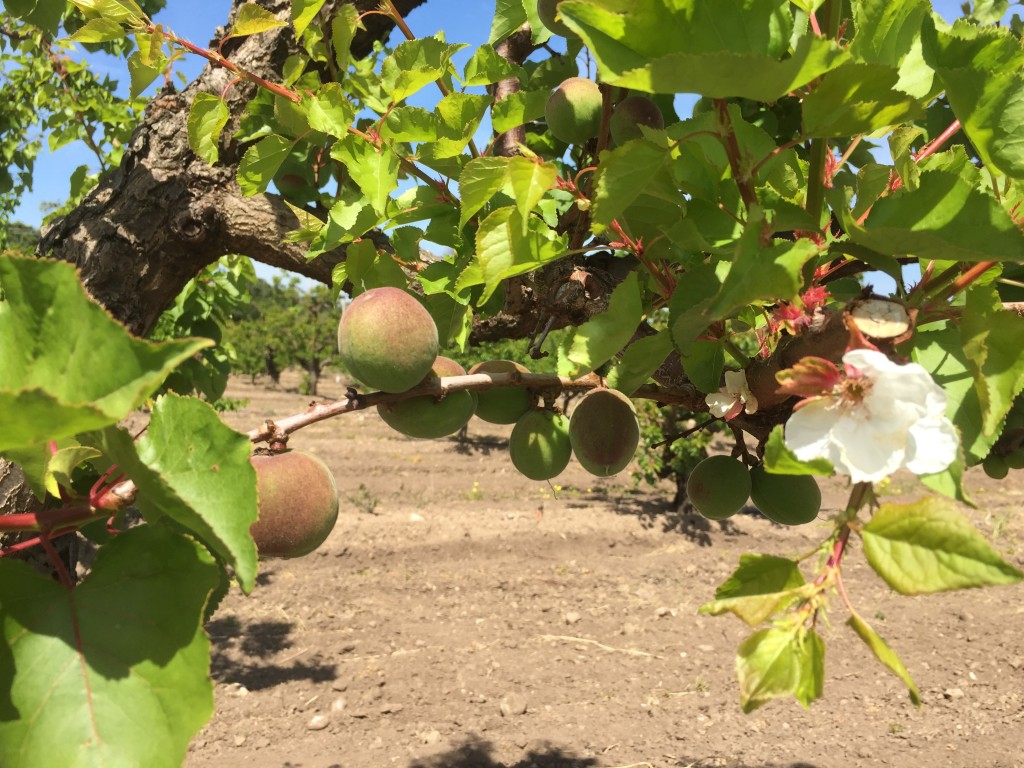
(602,646)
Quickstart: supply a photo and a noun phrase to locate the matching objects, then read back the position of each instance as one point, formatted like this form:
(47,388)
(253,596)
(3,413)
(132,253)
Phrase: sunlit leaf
(928,546)
(884,654)
(206,119)
(605,334)
(192,467)
(69,371)
(772,663)
(760,586)
(252,19)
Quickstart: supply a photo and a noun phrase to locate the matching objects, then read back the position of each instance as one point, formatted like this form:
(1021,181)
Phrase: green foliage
(55,383)
(203,308)
(728,232)
(70,666)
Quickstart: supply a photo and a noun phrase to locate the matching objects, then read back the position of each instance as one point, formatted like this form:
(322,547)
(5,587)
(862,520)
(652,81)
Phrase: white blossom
(879,417)
(732,399)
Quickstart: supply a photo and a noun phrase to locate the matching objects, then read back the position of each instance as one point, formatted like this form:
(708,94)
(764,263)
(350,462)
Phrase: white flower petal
(900,422)
(808,431)
(868,454)
(720,403)
(932,446)
(735,382)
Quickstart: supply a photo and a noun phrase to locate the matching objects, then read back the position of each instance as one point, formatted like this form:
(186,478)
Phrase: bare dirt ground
(447,623)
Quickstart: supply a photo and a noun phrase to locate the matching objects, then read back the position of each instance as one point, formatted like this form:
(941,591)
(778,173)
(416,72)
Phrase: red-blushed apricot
(298,503)
(632,112)
(604,432)
(718,487)
(786,499)
(428,417)
(573,110)
(387,339)
(502,405)
(539,446)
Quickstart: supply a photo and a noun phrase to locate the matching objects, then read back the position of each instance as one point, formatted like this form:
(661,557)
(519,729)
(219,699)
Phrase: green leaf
(505,247)
(887,30)
(45,14)
(414,64)
(344,24)
(517,109)
(63,463)
(980,69)
(459,115)
(622,175)
(763,274)
(946,218)
(252,19)
(206,119)
(717,49)
(857,98)
(142,74)
(509,15)
(928,546)
(261,162)
(703,363)
(993,338)
(884,654)
(410,124)
(479,182)
(530,182)
(83,668)
(98,31)
(487,66)
(330,110)
(639,362)
(602,336)
(760,586)
(195,469)
(779,460)
(941,353)
(773,663)
(69,371)
(373,169)
(303,12)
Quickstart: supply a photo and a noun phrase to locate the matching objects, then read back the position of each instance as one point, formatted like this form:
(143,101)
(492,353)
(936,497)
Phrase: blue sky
(465,21)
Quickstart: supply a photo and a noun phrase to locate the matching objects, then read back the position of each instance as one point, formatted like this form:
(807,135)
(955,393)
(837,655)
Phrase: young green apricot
(995,466)
(573,110)
(604,432)
(632,112)
(387,339)
(426,417)
(502,405)
(539,446)
(786,499)
(298,503)
(718,487)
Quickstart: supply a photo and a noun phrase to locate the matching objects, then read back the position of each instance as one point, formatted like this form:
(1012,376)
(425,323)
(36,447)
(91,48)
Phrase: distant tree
(286,325)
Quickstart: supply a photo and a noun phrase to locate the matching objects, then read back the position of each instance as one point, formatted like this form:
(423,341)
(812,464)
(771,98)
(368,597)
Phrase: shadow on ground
(477,753)
(681,519)
(231,642)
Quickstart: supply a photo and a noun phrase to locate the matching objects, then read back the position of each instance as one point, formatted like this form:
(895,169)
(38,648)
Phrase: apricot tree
(712,259)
